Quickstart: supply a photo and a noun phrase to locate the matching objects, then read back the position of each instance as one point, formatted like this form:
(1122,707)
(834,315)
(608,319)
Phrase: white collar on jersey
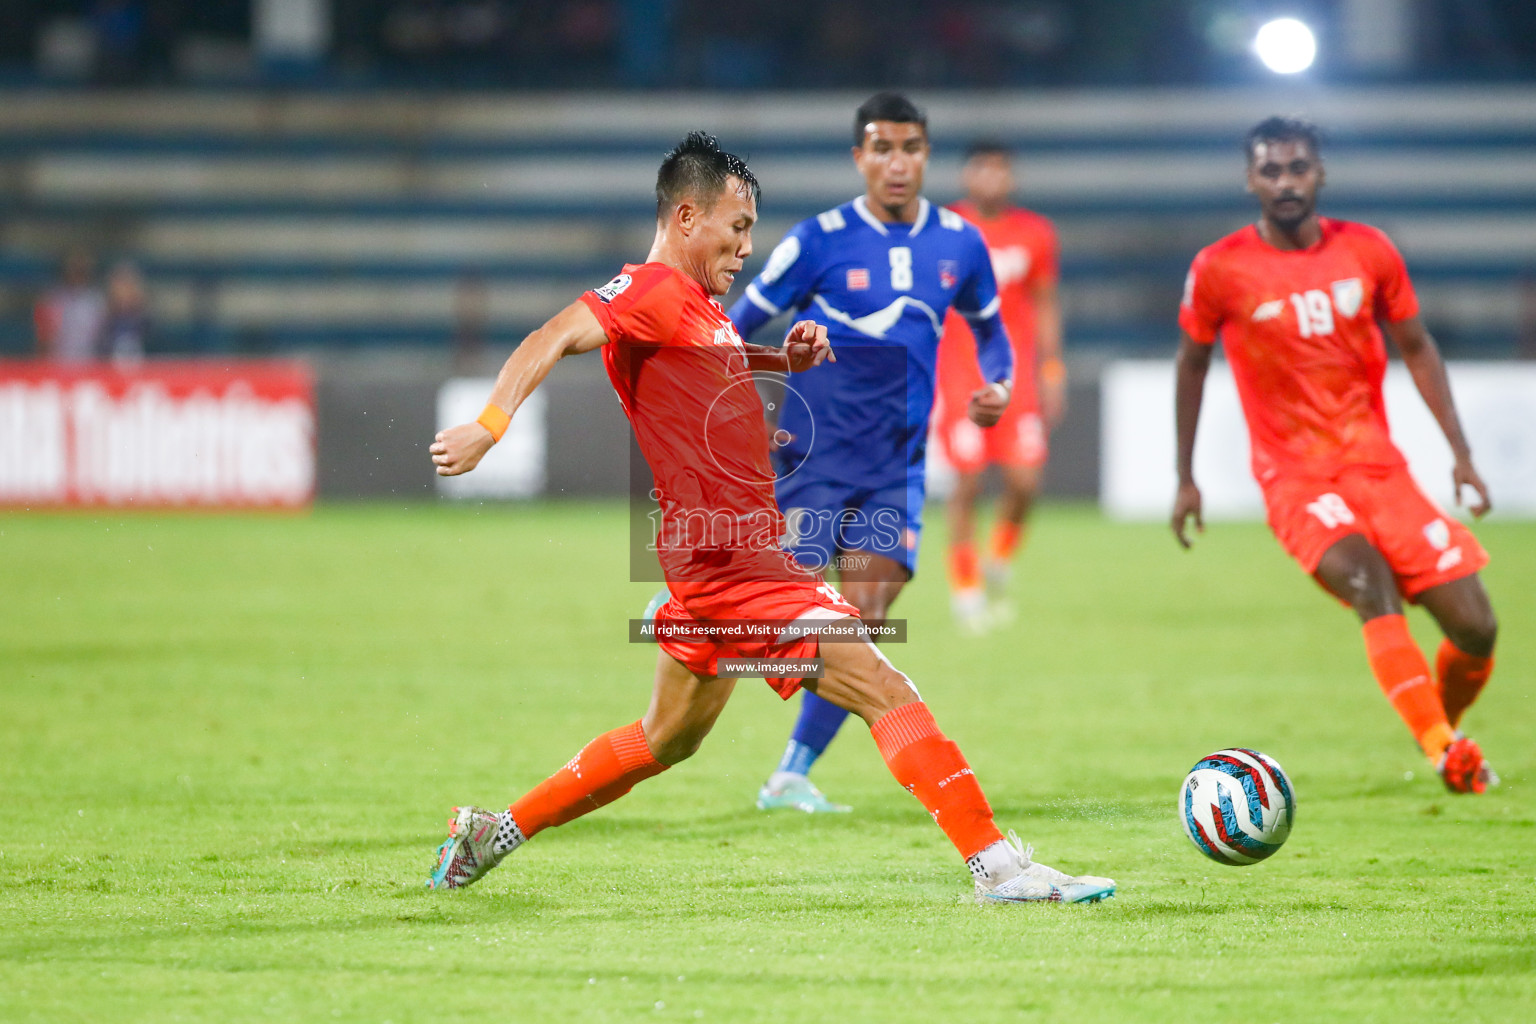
(861,208)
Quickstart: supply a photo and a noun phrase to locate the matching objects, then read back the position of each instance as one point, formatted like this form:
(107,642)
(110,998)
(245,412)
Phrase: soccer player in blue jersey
(880,273)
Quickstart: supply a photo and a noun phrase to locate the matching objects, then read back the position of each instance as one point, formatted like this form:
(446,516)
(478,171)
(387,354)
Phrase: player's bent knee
(889,690)
(1357,574)
(1476,635)
(676,748)
(1381,599)
(675,741)
(866,684)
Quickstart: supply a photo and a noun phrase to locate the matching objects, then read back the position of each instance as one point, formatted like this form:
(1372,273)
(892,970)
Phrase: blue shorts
(825,518)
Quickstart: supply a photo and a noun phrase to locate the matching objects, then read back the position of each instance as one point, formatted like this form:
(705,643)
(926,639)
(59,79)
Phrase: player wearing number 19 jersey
(1295,301)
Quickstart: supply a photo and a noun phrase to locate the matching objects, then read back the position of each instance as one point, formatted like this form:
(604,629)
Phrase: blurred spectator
(127,315)
(762,43)
(440,29)
(71,316)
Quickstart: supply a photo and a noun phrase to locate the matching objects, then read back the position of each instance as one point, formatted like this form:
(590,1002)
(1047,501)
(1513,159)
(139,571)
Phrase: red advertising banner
(193,433)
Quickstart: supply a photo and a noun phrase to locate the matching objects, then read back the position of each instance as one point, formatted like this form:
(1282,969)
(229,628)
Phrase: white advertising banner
(1497,403)
(515,467)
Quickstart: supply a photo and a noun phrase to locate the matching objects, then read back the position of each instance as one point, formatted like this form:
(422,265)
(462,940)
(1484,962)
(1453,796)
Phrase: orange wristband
(494,420)
(1053,371)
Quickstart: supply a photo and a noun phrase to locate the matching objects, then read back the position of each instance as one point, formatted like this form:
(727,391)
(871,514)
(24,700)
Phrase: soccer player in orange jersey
(684,378)
(1295,300)
(1023,248)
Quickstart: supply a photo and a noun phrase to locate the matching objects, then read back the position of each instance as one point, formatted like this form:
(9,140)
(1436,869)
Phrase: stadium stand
(276,222)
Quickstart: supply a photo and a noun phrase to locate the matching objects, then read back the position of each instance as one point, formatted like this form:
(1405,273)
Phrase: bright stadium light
(1285,45)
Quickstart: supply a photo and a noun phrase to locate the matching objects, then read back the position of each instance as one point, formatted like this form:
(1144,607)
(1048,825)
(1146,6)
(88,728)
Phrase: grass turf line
(231,745)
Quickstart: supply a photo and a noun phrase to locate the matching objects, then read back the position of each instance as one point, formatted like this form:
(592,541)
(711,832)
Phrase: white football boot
(1006,872)
(477,841)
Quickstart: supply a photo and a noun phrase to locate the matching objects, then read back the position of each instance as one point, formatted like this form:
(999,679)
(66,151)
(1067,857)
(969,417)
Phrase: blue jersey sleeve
(785,283)
(978,302)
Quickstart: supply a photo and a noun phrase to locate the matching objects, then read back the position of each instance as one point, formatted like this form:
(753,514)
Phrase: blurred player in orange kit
(1295,300)
(1023,248)
(684,378)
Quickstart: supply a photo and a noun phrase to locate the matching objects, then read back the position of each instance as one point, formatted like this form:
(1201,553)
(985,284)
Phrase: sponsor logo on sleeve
(1347,296)
(613,289)
(1189,290)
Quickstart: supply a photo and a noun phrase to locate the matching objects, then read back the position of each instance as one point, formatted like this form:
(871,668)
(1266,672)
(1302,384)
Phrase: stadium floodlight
(1285,45)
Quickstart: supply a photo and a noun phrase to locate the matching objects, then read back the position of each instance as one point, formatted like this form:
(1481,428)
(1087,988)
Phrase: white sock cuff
(995,864)
(508,836)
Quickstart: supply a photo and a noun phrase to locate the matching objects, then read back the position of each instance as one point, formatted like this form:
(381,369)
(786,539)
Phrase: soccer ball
(1237,806)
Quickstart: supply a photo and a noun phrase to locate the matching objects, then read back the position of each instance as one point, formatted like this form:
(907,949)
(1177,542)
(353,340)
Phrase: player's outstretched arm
(989,402)
(1422,357)
(994,356)
(806,345)
(1190,367)
(572,330)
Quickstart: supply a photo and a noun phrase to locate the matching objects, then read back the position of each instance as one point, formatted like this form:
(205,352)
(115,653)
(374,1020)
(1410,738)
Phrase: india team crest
(949,274)
(1347,296)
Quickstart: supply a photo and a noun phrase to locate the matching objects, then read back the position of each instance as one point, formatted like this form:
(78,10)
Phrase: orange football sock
(964,570)
(603,771)
(932,769)
(1460,677)
(1006,538)
(1403,673)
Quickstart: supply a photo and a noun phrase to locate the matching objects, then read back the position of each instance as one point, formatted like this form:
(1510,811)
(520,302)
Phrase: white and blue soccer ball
(1237,806)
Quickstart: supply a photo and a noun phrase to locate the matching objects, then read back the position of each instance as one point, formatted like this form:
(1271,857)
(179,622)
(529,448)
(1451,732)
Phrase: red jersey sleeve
(633,307)
(1395,297)
(1200,313)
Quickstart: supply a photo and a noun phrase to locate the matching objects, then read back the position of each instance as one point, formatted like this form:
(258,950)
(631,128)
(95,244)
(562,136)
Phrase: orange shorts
(1018,439)
(795,606)
(1424,546)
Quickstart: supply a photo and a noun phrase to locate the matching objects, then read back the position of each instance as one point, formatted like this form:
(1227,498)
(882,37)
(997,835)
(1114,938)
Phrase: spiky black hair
(699,168)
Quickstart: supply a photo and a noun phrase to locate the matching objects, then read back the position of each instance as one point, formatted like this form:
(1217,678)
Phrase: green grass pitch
(228,746)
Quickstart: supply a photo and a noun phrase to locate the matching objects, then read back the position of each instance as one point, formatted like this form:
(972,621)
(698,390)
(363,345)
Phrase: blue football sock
(797,758)
(818,722)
